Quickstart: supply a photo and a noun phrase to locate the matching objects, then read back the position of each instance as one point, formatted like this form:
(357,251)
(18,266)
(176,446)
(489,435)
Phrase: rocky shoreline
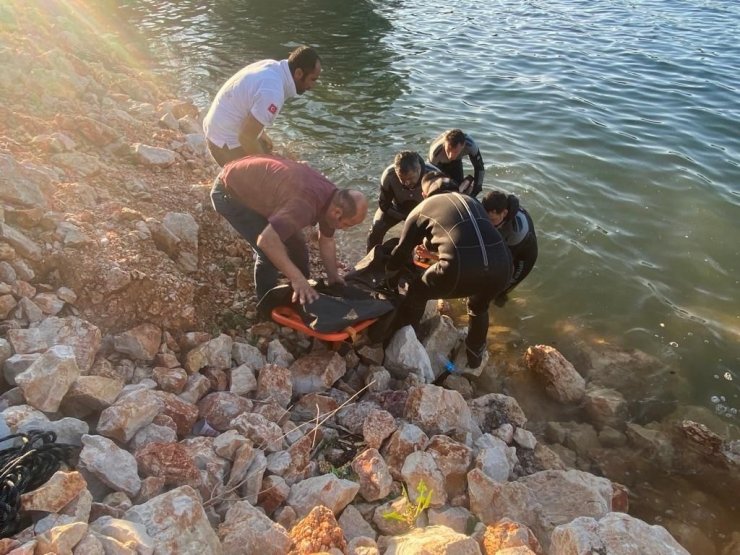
(128,328)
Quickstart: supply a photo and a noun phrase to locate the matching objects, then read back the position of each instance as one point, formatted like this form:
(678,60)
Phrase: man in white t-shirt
(251,100)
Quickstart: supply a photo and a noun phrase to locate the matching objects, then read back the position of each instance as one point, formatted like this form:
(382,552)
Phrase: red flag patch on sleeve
(272,109)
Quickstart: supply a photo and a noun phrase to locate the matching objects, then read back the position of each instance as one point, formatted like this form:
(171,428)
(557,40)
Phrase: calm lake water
(617,123)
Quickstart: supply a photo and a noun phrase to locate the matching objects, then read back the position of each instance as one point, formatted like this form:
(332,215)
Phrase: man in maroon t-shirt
(269,200)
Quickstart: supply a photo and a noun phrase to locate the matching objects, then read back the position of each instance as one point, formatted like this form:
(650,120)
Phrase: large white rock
(154,156)
(316,372)
(328,490)
(82,336)
(439,411)
(129,414)
(405,354)
(540,501)
(614,533)
(46,381)
(246,529)
(177,523)
(109,463)
(433,540)
(139,343)
(562,382)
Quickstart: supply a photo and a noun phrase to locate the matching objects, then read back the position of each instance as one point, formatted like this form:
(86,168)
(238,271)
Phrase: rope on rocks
(24,467)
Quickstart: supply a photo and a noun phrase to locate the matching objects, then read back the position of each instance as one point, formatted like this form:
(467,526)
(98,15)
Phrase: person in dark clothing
(471,258)
(447,152)
(400,192)
(516,226)
(269,200)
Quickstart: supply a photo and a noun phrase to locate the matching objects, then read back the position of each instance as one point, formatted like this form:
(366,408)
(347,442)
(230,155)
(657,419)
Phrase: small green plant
(412,511)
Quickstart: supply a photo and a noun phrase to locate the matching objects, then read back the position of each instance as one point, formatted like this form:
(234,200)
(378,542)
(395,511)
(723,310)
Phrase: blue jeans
(250,224)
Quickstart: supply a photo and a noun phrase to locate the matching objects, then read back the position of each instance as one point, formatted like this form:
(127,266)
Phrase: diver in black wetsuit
(447,152)
(473,260)
(516,226)
(400,192)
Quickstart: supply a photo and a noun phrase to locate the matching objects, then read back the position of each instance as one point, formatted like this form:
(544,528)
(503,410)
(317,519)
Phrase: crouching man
(472,259)
(269,200)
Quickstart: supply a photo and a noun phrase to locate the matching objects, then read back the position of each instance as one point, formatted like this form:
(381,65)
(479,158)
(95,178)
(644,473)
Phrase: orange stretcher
(286,316)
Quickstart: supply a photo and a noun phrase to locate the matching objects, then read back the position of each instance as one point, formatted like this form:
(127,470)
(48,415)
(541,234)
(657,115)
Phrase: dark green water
(615,122)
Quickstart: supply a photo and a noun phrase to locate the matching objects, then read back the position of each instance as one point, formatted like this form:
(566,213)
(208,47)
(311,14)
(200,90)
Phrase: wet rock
(177,523)
(439,411)
(494,410)
(354,524)
(374,476)
(405,354)
(506,534)
(562,382)
(326,490)
(611,534)
(653,443)
(316,372)
(275,382)
(247,530)
(58,366)
(110,464)
(605,407)
(432,539)
(317,532)
(542,500)
(139,343)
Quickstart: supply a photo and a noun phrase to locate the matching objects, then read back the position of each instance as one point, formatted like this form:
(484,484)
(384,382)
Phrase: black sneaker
(474,359)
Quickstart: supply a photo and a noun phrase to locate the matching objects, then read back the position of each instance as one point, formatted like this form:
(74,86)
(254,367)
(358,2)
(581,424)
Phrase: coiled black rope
(24,467)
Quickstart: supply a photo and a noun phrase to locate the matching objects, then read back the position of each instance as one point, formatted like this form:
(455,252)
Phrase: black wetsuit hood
(439,185)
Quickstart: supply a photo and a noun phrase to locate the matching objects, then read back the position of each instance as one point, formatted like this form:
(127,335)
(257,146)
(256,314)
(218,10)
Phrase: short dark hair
(303,57)
(406,161)
(443,183)
(495,201)
(455,137)
(343,199)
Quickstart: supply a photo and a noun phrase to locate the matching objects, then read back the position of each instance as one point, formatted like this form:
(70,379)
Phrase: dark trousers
(382,222)
(224,155)
(479,287)
(250,224)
